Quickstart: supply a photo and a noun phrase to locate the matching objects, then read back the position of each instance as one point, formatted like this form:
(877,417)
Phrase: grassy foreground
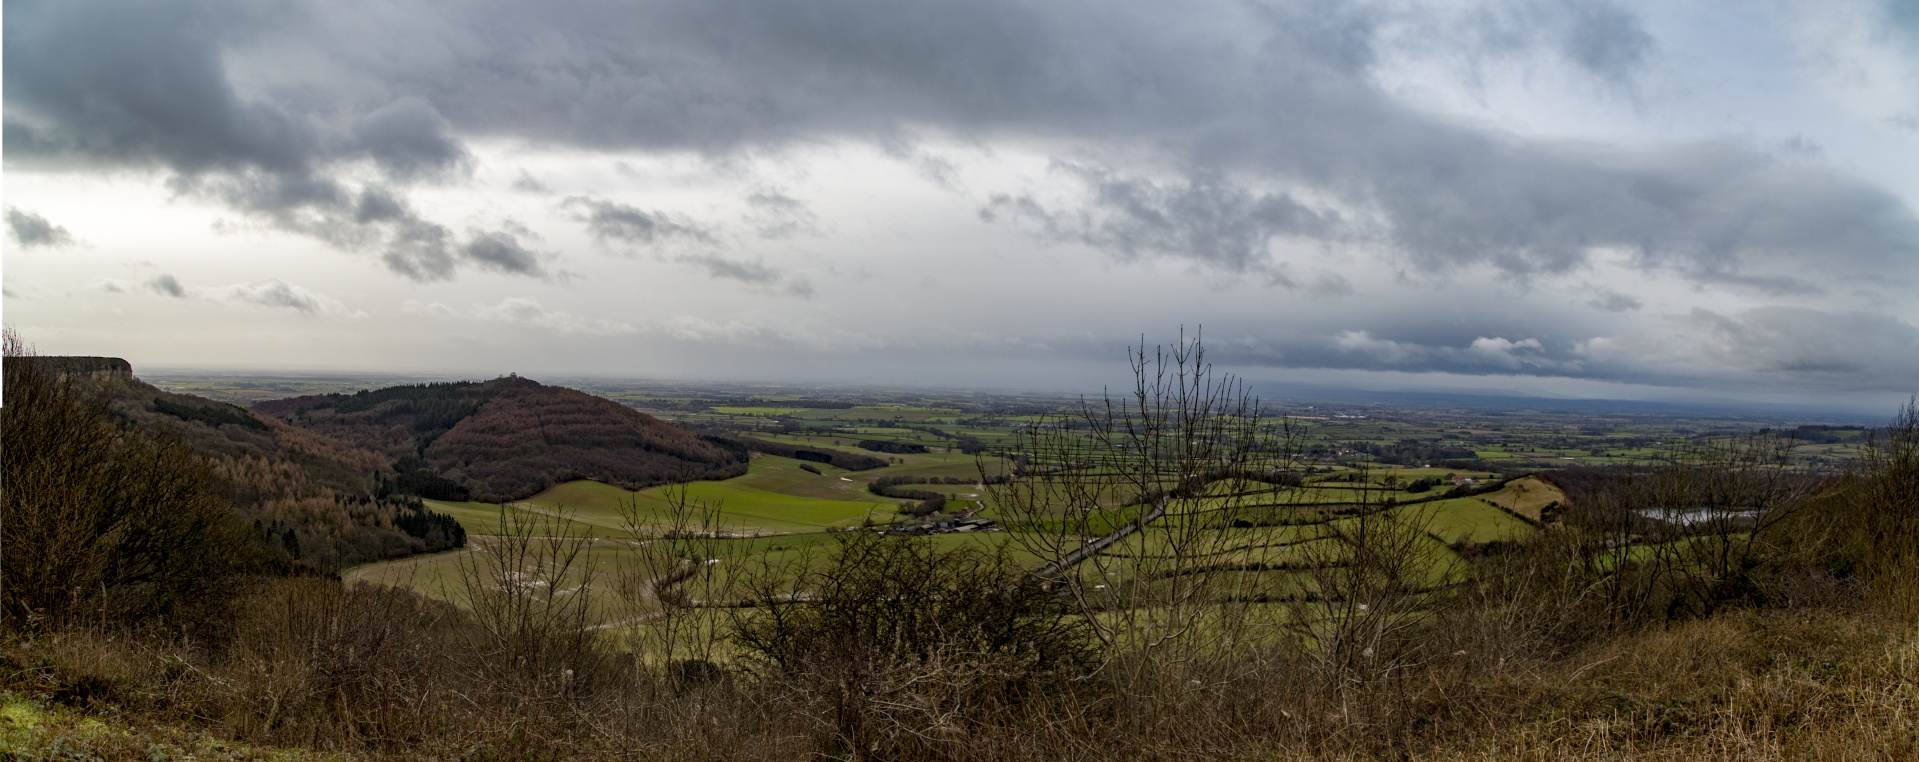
(1817,684)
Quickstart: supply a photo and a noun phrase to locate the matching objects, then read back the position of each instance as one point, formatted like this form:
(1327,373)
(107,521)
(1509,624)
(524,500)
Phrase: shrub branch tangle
(1125,501)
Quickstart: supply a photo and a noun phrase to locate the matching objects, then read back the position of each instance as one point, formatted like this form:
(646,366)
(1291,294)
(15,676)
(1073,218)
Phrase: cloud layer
(1279,146)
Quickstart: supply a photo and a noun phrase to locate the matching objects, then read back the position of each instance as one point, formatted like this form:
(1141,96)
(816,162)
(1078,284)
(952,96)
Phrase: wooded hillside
(312,502)
(507,438)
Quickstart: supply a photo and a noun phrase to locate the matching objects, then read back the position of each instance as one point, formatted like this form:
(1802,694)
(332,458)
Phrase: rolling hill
(507,438)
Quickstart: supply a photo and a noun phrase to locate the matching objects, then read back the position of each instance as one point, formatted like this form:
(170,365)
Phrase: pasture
(762,530)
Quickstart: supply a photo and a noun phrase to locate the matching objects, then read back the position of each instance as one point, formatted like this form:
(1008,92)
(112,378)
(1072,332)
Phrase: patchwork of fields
(784,515)
(1250,542)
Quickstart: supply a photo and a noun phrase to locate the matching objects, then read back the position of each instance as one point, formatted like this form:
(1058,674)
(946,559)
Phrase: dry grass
(1837,683)
(1778,686)
(1526,496)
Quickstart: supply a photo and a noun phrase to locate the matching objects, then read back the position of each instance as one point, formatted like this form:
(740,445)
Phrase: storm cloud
(1279,93)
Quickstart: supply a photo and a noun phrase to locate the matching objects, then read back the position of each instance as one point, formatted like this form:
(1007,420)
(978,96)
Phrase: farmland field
(785,514)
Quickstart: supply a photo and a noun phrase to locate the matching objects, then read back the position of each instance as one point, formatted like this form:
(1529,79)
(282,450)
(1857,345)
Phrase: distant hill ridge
(74,365)
(507,438)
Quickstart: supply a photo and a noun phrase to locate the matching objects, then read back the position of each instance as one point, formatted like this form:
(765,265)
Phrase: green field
(1470,520)
(742,509)
(785,515)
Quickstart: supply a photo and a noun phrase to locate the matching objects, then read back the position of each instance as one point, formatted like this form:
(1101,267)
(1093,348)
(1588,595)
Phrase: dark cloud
(612,222)
(32,230)
(107,83)
(166,285)
(409,139)
(501,251)
(103,85)
(1201,131)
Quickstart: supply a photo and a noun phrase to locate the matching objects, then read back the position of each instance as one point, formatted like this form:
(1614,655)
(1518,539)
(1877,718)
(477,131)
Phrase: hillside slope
(314,502)
(507,438)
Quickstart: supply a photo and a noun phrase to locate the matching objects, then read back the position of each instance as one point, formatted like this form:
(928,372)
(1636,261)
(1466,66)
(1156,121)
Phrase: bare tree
(1370,581)
(1128,501)
(671,587)
(530,591)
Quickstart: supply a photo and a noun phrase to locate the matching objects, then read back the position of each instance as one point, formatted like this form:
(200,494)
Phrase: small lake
(1700,515)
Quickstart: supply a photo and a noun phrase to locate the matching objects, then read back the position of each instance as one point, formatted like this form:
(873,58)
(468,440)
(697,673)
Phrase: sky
(1668,200)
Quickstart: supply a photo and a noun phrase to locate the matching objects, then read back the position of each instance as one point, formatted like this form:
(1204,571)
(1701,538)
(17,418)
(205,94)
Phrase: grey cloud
(380,205)
(1613,301)
(421,251)
(100,84)
(411,246)
(1277,95)
(1775,347)
(1474,353)
(409,139)
(754,273)
(610,221)
(502,251)
(32,230)
(166,285)
(1481,355)
(275,293)
(527,183)
(1606,40)
(773,214)
(1905,19)
(1782,346)
(1600,37)
(721,267)
(1204,219)
(1711,212)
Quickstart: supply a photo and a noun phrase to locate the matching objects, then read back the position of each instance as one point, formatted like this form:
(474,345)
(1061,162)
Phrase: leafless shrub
(1371,581)
(675,589)
(529,591)
(360,666)
(1125,501)
(894,646)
